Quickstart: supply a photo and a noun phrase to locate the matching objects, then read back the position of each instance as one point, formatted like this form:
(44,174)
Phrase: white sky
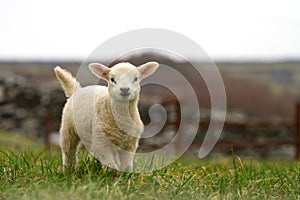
(63,29)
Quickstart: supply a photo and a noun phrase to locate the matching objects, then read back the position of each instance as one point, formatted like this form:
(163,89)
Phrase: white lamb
(105,120)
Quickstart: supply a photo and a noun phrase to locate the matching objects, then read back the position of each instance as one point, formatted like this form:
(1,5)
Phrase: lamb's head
(123,78)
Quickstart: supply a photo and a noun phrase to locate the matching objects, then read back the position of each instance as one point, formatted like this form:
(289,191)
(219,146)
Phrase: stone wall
(27,108)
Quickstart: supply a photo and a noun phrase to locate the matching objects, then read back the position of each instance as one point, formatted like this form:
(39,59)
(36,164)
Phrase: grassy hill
(283,74)
(18,143)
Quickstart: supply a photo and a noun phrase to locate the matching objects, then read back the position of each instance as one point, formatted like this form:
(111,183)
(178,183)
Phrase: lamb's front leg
(106,153)
(126,160)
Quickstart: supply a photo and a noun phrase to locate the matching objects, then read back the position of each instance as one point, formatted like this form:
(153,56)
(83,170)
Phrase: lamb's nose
(124,90)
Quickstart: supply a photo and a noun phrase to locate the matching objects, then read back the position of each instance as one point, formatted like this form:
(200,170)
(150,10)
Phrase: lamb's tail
(67,81)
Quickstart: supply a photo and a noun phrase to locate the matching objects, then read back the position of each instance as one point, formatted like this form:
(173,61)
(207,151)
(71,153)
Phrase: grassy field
(37,174)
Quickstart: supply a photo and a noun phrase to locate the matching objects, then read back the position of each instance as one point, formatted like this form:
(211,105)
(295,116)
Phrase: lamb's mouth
(126,94)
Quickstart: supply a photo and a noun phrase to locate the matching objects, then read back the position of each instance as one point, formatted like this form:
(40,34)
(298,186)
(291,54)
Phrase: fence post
(297,131)
(48,120)
(177,126)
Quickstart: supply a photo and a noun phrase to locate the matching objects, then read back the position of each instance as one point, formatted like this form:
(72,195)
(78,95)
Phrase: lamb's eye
(135,79)
(112,80)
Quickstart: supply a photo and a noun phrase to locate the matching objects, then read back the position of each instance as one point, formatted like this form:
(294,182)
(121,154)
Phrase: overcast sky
(63,29)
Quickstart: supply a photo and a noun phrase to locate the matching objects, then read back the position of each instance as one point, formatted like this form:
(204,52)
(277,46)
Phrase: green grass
(38,175)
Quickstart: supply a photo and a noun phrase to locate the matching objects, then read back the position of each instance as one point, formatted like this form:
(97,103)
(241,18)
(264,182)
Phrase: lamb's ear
(147,69)
(99,70)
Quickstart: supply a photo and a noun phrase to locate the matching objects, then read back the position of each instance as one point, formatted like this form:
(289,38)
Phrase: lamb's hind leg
(69,144)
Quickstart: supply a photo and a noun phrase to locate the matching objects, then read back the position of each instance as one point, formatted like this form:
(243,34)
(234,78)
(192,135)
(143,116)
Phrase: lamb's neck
(127,116)
(124,109)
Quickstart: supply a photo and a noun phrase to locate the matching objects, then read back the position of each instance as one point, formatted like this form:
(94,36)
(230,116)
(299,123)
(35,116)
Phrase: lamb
(104,119)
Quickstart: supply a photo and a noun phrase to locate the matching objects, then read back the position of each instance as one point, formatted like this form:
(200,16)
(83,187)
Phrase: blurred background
(255,45)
